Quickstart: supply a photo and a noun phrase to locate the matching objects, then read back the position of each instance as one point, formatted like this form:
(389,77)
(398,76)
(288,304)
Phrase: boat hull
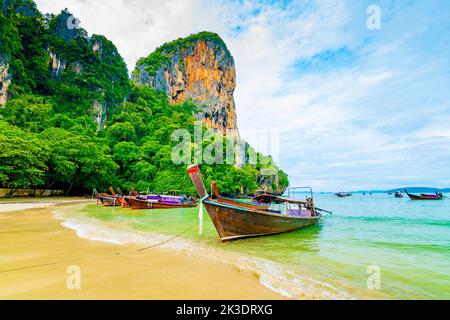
(424,197)
(233,222)
(109,201)
(135,203)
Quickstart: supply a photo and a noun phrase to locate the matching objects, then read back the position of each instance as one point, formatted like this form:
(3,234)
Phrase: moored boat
(436,196)
(343,194)
(159,202)
(126,199)
(109,200)
(234,221)
(398,194)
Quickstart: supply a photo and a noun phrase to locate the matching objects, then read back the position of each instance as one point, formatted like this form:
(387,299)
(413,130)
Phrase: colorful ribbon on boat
(200,215)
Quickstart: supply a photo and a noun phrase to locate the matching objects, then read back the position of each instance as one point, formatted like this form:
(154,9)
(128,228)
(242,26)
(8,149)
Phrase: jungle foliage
(50,136)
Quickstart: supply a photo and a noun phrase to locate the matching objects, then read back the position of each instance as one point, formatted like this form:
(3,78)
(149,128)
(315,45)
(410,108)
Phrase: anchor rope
(108,253)
(97,256)
(41,265)
(167,240)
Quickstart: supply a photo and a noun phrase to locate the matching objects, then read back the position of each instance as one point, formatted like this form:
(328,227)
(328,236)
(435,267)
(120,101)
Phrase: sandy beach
(39,259)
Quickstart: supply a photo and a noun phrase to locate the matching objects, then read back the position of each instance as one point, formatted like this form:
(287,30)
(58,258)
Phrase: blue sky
(355,108)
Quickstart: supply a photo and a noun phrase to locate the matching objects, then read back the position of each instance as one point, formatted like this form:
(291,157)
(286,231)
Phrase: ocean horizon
(405,241)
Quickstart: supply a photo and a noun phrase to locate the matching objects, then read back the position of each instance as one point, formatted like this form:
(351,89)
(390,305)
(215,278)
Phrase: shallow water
(407,241)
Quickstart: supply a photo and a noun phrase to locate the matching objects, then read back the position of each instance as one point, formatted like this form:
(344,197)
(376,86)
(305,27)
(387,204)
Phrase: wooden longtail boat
(436,196)
(106,199)
(234,221)
(109,200)
(343,194)
(143,202)
(254,205)
(126,199)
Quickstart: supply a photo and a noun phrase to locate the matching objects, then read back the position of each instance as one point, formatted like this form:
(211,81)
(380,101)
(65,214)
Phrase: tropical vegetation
(75,121)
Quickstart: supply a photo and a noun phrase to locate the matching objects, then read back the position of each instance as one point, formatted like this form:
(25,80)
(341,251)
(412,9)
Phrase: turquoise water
(407,241)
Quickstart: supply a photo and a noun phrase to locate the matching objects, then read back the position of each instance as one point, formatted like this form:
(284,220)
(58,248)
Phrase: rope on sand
(42,265)
(92,257)
(167,240)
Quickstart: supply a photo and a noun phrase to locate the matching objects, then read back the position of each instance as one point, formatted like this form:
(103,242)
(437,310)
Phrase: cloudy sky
(353,108)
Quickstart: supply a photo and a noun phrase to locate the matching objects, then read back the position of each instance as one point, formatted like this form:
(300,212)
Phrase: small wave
(93,229)
(271,275)
(402,220)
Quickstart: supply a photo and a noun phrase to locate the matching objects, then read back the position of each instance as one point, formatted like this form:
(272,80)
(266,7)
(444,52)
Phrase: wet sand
(37,255)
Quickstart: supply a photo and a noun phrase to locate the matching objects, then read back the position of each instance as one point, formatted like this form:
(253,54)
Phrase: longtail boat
(126,199)
(398,194)
(159,202)
(234,221)
(436,196)
(109,200)
(230,201)
(343,194)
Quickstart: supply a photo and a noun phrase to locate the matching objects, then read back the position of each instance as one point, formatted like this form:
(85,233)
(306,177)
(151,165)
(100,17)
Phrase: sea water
(372,246)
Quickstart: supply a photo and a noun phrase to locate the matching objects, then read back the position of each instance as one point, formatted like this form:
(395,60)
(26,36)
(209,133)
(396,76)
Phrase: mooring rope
(115,253)
(42,265)
(167,240)
(97,256)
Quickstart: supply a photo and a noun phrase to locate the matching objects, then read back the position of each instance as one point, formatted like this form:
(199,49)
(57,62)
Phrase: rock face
(98,56)
(199,68)
(4,81)
(57,65)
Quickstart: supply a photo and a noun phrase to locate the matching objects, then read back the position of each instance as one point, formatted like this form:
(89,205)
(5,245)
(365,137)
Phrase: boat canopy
(268,198)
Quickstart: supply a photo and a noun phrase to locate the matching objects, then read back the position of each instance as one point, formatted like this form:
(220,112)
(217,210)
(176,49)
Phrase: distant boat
(235,221)
(398,194)
(343,194)
(436,196)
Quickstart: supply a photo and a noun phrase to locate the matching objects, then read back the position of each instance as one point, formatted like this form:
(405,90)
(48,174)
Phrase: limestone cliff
(199,68)
(4,81)
(93,55)
(52,55)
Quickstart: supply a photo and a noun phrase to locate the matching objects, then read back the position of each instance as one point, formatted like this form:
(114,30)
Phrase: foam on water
(407,240)
(270,274)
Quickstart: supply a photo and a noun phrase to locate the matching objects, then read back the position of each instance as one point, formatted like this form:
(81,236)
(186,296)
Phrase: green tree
(78,161)
(29,112)
(121,131)
(22,158)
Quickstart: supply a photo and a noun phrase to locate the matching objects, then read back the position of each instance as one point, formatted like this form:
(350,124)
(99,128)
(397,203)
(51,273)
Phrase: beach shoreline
(39,257)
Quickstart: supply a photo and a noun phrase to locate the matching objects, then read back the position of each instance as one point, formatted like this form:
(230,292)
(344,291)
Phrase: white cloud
(368,120)
(137,27)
